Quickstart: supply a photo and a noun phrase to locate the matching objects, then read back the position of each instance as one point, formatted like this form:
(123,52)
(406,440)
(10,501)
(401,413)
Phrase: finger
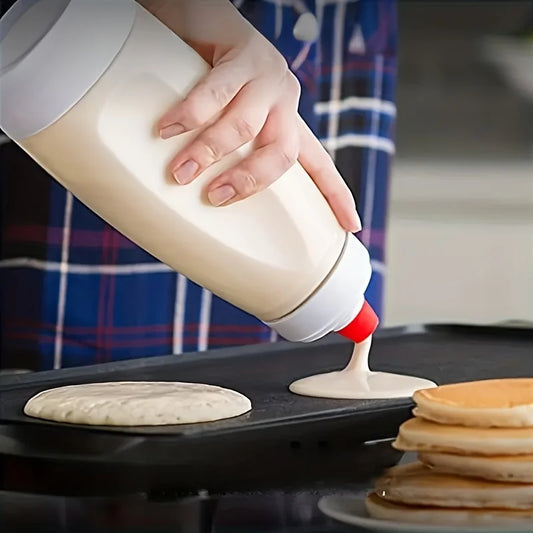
(282,118)
(243,120)
(319,165)
(264,166)
(205,100)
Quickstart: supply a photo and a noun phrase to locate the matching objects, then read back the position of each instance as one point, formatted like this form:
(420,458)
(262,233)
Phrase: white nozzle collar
(336,303)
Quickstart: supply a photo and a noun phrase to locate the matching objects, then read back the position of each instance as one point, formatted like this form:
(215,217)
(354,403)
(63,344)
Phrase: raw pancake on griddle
(137,403)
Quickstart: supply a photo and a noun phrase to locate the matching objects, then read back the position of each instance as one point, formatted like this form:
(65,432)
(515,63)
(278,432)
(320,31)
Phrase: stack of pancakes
(475,458)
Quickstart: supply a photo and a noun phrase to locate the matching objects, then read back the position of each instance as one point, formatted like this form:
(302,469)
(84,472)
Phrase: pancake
(423,436)
(416,484)
(137,403)
(487,403)
(452,517)
(517,468)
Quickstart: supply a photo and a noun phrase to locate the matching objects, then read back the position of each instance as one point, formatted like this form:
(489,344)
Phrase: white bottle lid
(338,304)
(52,53)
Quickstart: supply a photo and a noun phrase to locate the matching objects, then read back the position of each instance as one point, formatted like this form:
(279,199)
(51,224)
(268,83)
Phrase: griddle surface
(444,354)
(261,373)
(286,441)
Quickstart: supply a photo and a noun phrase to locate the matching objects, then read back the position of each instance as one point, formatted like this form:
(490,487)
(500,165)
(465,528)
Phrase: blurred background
(460,240)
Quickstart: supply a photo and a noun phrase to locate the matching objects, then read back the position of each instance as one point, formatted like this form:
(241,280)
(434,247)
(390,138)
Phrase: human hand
(250,94)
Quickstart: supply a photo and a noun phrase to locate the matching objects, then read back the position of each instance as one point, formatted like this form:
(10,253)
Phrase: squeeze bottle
(82,86)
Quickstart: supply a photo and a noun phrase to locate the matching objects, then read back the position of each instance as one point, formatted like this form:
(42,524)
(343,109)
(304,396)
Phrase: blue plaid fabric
(74,291)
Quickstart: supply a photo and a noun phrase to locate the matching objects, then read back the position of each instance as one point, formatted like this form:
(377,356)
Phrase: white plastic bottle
(82,86)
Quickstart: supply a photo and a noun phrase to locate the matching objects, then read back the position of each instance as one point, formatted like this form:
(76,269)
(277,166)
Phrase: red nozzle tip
(362,326)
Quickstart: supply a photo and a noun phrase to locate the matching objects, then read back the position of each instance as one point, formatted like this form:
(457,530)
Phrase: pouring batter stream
(357,381)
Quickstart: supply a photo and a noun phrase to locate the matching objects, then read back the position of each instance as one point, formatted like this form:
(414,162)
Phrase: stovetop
(270,512)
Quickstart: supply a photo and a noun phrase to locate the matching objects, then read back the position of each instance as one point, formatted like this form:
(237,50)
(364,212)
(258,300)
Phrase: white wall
(460,243)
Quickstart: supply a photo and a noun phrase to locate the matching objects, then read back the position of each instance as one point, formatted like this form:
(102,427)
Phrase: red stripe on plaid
(132,343)
(54,236)
(358,66)
(27,234)
(131,330)
(114,247)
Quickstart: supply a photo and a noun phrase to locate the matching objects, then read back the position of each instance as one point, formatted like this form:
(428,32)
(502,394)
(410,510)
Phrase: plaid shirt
(74,291)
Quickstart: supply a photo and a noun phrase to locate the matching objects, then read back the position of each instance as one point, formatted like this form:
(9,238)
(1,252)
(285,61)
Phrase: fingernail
(186,172)
(358,223)
(221,195)
(171,131)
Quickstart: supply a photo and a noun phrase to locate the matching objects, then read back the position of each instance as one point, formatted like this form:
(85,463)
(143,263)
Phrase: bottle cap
(362,326)
(61,47)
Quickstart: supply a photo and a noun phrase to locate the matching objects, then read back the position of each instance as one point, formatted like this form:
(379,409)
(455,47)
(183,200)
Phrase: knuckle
(280,63)
(211,147)
(221,94)
(274,65)
(244,129)
(293,85)
(247,184)
(288,156)
(191,114)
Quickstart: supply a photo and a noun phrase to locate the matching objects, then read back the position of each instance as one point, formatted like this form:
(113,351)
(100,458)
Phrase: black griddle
(287,440)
